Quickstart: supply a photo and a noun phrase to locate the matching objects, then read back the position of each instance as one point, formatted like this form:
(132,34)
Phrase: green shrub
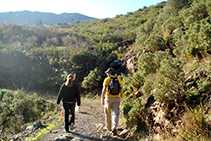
(93,80)
(148,85)
(137,81)
(127,107)
(134,112)
(17,108)
(195,41)
(169,84)
(155,43)
(127,86)
(148,63)
(199,10)
(169,26)
(177,5)
(199,35)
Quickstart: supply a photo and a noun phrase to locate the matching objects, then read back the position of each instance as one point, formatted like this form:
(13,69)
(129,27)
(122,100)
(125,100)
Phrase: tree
(93,80)
(82,63)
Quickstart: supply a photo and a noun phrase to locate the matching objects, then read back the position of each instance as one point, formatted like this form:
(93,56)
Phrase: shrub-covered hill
(161,52)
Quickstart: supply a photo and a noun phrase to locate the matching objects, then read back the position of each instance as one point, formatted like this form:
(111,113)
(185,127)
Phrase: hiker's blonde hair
(70,78)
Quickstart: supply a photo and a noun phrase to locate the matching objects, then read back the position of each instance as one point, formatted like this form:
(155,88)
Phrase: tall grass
(196,126)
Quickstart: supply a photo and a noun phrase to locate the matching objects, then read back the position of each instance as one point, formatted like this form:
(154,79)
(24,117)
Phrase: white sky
(94,8)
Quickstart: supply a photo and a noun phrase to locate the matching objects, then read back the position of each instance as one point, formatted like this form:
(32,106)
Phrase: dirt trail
(89,125)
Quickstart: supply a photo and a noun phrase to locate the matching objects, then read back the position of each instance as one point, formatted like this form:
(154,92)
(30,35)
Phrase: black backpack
(114,86)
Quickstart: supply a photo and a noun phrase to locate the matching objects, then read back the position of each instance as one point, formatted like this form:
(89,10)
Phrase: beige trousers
(111,109)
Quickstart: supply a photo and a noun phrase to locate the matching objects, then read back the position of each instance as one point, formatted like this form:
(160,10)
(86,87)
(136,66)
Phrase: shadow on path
(72,135)
(85,113)
(76,135)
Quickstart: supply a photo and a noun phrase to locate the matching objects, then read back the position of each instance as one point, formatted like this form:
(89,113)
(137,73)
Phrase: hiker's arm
(121,88)
(121,92)
(78,97)
(103,94)
(60,95)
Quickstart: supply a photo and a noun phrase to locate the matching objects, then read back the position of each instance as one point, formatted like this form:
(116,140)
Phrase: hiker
(69,93)
(111,102)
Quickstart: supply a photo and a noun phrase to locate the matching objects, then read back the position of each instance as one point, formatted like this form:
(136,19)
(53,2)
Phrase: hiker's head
(110,71)
(70,77)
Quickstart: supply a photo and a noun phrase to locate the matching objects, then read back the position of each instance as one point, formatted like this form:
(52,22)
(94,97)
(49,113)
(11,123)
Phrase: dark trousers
(68,107)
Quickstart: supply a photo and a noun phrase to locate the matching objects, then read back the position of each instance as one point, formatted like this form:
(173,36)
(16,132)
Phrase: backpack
(114,86)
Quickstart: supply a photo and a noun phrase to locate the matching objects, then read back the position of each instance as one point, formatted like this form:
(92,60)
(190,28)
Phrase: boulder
(34,126)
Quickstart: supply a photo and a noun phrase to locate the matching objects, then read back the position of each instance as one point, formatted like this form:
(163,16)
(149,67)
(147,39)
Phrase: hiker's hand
(102,101)
(77,109)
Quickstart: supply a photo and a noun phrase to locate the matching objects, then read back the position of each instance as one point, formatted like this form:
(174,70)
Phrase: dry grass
(196,126)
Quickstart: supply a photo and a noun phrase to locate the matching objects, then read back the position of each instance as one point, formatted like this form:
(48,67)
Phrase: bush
(199,35)
(155,43)
(148,63)
(127,86)
(177,5)
(17,108)
(169,84)
(148,85)
(134,112)
(137,81)
(93,80)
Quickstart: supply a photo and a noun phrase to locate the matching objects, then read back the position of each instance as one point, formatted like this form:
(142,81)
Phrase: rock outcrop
(130,61)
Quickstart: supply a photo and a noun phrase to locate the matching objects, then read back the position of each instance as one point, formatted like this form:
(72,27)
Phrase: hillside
(162,53)
(36,18)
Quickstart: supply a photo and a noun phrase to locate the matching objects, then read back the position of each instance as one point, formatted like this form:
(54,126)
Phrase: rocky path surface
(89,125)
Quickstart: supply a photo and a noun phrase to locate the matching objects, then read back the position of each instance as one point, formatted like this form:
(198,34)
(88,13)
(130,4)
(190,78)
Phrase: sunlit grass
(45,130)
(196,126)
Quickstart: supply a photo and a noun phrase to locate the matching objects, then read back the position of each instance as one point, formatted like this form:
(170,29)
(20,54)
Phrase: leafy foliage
(170,82)
(154,43)
(93,80)
(17,108)
(134,113)
(177,5)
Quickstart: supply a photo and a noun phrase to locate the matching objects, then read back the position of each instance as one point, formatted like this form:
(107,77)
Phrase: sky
(93,8)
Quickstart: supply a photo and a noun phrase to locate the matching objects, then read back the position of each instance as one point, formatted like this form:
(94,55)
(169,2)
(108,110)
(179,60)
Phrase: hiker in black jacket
(69,93)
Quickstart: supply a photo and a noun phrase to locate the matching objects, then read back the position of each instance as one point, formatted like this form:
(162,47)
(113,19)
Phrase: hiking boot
(72,126)
(114,132)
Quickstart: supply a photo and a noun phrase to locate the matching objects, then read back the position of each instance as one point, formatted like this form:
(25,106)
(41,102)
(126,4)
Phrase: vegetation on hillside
(41,56)
(17,109)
